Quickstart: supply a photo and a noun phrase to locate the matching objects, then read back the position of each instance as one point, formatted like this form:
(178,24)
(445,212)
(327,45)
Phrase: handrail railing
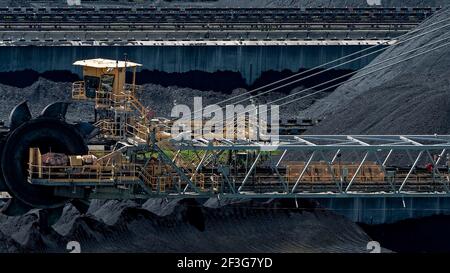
(135,125)
(138,130)
(116,130)
(78,91)
(103,99)
(94,172)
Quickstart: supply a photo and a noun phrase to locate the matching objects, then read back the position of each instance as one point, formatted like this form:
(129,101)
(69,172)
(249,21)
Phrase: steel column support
(330,169)
(387,158)
(249,172)
(441,155)
(303,172)
(410,171)
(281,158)
(436,170)
(168,161)
(335,156)
(357,171)
(176,155)
(383,167)
(199,165)
(280,177)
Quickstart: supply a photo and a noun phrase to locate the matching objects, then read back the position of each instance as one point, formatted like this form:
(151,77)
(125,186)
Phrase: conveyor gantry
(295,167)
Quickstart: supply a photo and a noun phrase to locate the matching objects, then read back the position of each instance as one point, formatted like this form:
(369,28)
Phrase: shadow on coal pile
(186,226)
(429,234)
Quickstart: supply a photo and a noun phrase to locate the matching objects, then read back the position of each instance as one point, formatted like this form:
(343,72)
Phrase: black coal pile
(162,99)
(41,94)
(407,98)
(185,225)
(26,234)
(158,98)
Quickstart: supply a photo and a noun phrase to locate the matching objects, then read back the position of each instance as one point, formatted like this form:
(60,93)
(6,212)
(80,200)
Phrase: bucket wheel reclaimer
(49,132)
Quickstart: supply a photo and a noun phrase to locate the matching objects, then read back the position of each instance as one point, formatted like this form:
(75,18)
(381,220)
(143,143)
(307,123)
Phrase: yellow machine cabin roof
(106,63)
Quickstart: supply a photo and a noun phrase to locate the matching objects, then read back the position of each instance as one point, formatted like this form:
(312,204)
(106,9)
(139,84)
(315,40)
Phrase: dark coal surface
(160,99)
(186,226)
(408,98)
(427,235)
(39,95)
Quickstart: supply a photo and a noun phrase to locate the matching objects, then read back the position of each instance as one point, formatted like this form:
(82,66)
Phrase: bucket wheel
(48,132)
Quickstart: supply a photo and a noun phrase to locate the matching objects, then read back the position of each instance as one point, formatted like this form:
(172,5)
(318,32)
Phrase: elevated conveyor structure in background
(156,26)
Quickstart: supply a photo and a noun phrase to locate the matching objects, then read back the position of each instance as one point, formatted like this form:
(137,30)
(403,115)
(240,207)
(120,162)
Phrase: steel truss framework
(409,151)
(323,142)
(355,166)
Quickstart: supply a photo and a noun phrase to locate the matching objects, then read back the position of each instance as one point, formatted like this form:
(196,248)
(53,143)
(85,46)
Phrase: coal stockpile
(186,226)
(158,98)
(40,94)
(406,98)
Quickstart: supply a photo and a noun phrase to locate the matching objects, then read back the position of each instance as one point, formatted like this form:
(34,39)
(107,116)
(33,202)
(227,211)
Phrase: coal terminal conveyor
(129,154)
(213,26)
